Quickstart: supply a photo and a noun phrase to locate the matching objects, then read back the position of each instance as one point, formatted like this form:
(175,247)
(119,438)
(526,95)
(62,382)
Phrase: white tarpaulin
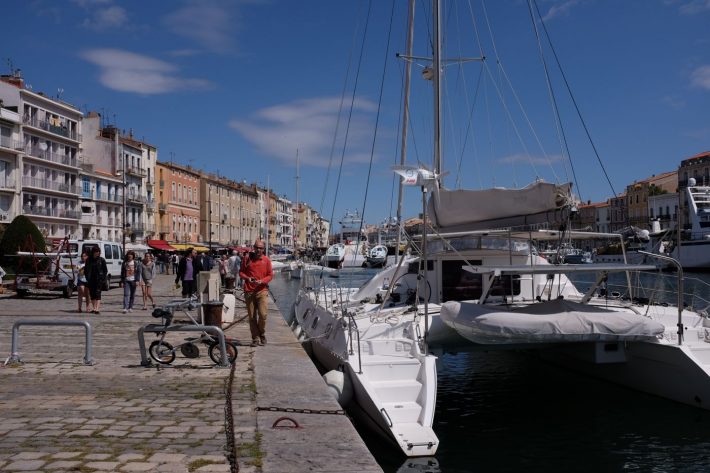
(552,321)
(457,208)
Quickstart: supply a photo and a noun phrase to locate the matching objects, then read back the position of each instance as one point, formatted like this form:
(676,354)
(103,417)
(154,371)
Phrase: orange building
(178,203)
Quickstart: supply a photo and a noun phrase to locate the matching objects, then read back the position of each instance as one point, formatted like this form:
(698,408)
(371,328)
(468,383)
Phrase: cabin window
(458,284)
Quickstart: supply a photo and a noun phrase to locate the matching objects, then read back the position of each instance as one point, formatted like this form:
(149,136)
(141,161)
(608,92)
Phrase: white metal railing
(49,184)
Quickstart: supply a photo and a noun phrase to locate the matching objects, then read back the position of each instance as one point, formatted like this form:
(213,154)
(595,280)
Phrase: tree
(15,239)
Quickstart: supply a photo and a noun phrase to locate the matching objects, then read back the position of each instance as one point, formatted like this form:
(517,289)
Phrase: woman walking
(80,282)
(95,271)
(147,275)
(130,277)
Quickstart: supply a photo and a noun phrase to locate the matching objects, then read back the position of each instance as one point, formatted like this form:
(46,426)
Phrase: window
(109,253)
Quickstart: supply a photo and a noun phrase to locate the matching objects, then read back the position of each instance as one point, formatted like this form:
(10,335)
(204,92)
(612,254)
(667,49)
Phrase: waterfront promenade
(58,414)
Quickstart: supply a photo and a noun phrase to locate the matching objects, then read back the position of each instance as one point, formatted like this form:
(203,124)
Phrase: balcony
(149,185)
(9,143)
(58,129)
(165,229)
(162,208)
(135,198)
(46,184)
(7,184)
(37,152)
(51,212)
(136,227)
(162,184)
(110,221)
(136,171)
(105,196)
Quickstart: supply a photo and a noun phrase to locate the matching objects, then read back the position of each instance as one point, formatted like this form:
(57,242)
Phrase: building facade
(50,134)
(178,203)
(11,148)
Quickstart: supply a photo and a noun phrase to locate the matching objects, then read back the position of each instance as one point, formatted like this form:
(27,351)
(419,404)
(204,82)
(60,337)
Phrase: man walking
(188,269)
(234,265)
(256,273)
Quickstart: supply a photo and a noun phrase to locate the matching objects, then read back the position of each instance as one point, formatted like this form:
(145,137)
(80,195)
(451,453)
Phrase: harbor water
(502,411)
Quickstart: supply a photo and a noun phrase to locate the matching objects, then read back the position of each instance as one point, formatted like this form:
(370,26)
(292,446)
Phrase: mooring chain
(339,412)
(229,422)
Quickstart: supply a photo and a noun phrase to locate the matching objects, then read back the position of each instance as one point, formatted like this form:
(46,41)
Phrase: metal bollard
(15,350)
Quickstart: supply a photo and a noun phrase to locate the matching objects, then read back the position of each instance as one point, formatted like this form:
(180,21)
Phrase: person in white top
(80,282)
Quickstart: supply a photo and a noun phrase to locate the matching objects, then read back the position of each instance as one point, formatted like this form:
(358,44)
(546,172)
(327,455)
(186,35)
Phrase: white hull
(394,383)
(693,254)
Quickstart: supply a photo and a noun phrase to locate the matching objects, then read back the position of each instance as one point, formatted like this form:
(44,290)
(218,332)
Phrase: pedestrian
(223,269)
(2,275)
(256,273)
(205,261)
(234,266)
(176,261)
(95,271)
(187,272)
(80,282)
(130,276)
(146,282)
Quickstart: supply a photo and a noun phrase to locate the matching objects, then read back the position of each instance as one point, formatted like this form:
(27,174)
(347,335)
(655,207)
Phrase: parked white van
(110,251)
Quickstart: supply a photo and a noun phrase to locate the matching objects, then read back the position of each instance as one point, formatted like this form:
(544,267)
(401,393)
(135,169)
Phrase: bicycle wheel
(162,352)
(216,353)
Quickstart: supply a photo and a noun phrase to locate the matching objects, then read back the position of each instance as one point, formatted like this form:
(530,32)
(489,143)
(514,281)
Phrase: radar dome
(691,182)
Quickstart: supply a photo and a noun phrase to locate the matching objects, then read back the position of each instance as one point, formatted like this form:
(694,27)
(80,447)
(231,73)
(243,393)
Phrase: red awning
(160,245)
(241,249)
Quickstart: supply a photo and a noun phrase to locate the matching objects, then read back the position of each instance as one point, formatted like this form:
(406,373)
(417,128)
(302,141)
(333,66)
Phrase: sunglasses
(258,247)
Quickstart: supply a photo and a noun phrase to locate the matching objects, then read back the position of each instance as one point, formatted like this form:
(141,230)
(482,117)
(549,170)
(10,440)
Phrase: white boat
(693,248)
(481,283)
(351,250)
(377,256)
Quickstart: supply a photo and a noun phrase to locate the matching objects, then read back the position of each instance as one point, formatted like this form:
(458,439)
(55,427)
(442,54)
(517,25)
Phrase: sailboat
(480,283)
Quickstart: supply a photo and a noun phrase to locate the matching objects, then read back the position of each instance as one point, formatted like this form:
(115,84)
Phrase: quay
(58,414)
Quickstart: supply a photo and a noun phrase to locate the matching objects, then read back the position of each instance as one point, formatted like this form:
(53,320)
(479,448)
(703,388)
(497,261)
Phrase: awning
(161,245)
(184,246)
(137,247)
(241,249)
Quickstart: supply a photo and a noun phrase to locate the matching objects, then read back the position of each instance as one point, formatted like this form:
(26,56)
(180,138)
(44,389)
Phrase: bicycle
(164,353)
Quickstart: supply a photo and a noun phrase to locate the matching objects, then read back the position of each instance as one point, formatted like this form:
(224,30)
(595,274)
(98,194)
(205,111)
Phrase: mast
(298,203)
(436,7)
(405,124)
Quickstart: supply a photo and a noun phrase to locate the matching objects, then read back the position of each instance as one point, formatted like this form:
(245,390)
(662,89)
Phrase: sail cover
(455,209)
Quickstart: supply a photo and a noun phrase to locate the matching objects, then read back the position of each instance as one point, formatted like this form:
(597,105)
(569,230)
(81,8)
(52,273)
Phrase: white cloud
(129,72)
(526,159)
(674,102)
(700,77)
(104,18)
(210,23)
(694,7)
(560,9)
(308,125)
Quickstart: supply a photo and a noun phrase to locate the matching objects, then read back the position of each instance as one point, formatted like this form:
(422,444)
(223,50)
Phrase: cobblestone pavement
(59,415)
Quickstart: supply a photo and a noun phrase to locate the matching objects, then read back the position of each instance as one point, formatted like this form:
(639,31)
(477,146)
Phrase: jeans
(129,294)
(188,288)
(257,305)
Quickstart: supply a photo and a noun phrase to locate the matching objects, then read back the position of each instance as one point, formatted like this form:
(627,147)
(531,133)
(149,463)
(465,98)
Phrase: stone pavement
(59,415)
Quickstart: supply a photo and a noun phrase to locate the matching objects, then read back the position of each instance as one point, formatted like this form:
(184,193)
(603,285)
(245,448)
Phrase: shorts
(147,282)
(80,283)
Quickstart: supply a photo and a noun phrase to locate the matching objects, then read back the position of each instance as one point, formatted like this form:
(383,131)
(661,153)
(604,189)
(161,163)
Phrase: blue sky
(241,87)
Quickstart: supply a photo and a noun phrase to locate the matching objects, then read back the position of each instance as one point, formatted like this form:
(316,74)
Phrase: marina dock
(59,414)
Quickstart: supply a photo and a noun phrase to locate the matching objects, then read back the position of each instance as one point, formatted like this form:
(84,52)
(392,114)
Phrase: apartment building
(247,208)
(284,222)
(638,193)
(50,134)
(101,185)
(11,147)
(618,219)
(178,203)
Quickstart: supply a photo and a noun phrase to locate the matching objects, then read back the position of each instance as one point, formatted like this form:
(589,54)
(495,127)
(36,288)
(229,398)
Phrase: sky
(248,88)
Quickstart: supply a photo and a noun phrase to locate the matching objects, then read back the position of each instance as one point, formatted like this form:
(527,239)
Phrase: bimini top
(462,209)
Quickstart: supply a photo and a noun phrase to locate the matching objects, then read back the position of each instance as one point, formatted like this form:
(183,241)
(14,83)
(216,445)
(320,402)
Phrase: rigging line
(512,122)
(564,145)
(497,56)
(340,111)
(576,107)
(350,113)
(377,119)
(469,124)
(347,128)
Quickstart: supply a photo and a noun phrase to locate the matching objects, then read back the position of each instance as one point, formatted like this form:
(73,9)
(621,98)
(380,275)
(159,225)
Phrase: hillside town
(75,175)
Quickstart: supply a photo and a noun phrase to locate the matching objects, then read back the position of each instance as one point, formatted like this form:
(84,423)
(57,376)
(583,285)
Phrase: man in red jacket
(256,273)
